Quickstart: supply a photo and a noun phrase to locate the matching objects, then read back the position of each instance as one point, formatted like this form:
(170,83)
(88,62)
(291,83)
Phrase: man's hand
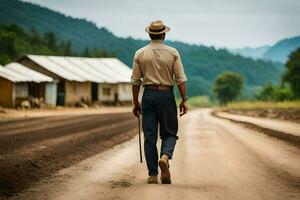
(183,108)
(135,94)
(137,110)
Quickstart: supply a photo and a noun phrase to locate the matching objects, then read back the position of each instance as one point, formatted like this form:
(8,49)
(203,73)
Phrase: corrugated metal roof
(95,64)
(13,76)
(26,73)
(78,71)
(118,68)
(61,71)
(9,75)
(84,65)
(108,70)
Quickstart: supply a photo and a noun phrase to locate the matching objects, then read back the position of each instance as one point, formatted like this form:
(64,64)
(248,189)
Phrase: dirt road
(214,159)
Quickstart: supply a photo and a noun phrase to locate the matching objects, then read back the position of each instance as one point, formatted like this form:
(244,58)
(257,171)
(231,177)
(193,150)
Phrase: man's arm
(180,79)
(183,108)
(136,82)
(136,105)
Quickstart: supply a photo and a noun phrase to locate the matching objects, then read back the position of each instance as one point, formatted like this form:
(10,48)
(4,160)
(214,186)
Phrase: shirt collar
(156,41)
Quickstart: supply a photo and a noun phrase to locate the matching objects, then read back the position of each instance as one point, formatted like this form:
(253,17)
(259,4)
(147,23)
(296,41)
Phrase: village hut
(106,80)
(18,84)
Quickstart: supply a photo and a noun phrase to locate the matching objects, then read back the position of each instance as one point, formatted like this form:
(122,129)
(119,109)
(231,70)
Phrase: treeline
(15,42)
(204,64)
(229,85)
(289,86)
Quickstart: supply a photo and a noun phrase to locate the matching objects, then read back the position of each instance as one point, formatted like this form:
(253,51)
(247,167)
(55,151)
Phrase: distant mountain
(255,53)
(202,64)
(277,53)
(282,49)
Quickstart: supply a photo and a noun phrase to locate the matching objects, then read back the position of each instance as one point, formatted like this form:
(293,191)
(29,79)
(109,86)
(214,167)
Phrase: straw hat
(157,28)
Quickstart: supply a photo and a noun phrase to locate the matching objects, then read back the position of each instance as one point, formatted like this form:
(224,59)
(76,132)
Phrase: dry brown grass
(264,105)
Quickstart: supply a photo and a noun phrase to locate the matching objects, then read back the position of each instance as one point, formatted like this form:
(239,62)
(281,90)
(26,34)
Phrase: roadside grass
(264,105)
(198,102)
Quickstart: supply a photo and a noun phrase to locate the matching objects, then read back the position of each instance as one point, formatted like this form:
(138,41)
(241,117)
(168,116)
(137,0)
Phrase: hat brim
(167,29)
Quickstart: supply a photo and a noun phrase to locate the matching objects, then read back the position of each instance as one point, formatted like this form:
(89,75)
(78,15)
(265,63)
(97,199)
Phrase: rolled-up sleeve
(178,70)
(137,74)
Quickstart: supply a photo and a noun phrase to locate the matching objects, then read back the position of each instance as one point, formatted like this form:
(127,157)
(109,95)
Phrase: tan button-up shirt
(157,64)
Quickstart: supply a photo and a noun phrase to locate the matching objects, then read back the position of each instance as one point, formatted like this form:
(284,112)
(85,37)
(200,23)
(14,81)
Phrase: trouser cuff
(153,173)
(166,153)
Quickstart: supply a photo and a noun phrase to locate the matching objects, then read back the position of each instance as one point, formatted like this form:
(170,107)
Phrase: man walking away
(158,68)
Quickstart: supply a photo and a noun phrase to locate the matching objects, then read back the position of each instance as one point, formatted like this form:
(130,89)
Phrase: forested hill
(202,64)
(81,32)
(15,42)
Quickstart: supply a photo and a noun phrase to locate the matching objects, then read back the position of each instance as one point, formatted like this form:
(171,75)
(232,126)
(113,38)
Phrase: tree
(96,53)
(266,93)
(34,37)
(7,47)
(292,73)
(67,48)
(86,52)
(99,53)
(274,93)
(228,86)
(50,40)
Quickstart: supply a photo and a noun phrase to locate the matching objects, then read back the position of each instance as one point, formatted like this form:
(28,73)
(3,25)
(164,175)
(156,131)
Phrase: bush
(274,93)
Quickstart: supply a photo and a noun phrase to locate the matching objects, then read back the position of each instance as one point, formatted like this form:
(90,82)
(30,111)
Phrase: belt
(158,87)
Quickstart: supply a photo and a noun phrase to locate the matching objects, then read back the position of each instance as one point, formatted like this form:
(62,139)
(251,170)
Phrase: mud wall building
(18,83)
(84,79)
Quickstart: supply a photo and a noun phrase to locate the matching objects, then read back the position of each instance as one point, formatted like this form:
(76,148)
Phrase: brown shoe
(152,180)
(165,172)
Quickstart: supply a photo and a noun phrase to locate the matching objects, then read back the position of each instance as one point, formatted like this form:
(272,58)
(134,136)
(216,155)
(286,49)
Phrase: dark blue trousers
(158,110)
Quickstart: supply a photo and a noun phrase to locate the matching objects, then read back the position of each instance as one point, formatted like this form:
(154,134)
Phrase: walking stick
(140,145)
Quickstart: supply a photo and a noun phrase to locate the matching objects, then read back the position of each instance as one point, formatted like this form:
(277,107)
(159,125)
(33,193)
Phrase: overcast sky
(221,23)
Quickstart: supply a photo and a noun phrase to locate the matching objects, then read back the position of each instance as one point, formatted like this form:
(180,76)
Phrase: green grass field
(198,102)
(205,102)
